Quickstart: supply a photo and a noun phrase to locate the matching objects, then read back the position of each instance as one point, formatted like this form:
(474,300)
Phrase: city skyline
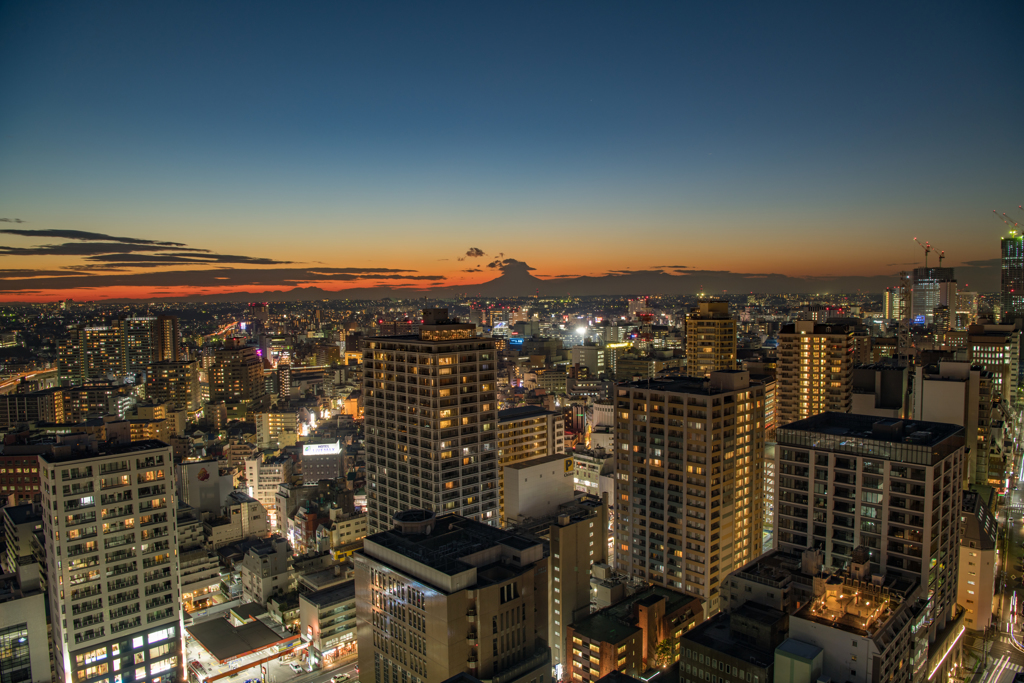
(424,148)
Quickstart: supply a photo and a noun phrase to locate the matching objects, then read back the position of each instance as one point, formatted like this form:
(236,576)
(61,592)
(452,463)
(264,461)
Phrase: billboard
(322,448)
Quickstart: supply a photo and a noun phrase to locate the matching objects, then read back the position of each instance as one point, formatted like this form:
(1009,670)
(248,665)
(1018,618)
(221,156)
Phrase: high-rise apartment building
(523,434)
(174,382)
(932,287)
(688,487)
(112,562)
(236,373)
(431,422)
(442,596)
(892,486)
(90,353)
(1012,278)
(710,339)
(815,370)
(138,342)
(894,301)
(168,338)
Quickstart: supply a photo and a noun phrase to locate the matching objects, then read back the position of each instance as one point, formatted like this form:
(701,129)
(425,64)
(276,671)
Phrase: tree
(664,652)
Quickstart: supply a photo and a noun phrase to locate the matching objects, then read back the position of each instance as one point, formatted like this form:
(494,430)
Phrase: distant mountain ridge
(517,280)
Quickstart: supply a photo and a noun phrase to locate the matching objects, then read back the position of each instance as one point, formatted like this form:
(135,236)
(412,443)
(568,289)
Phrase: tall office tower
(710,339)
(110,548)
(442,596)
(236,373)
(89,354)
(260,312)
(996,348)
(688,480)
(1012,279)
(284,376)
(815,370)
(932,287)
(523,434)
(168,338)
(138,342)
(895,487)
(431,422)
(176,382)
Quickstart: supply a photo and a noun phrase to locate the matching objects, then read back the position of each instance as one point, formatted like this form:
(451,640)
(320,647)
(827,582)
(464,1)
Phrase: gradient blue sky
(796,138)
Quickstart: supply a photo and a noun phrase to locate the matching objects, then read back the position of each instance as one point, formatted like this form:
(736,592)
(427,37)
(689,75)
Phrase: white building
(536,487)
(111,546)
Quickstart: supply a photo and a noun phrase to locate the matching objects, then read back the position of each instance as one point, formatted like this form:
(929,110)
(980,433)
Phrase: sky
(349,144)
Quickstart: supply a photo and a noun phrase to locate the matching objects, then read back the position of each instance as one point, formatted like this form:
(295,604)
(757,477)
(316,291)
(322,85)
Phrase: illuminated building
(976,588)
(996,348)
(236,373)
(710,339)
(430,409)
(744,641)
(1012,277)
(110,547)
(90,353)
(277,428)
(815,370)
(441,596)
(263,476)
(23,628)
(689,480)
(894,487)
(327,618)
(578,538)
(932,287)
(168,338)
(34,406)
(174,382)
(861,629)
(526,433)
(624,637)
(893,299)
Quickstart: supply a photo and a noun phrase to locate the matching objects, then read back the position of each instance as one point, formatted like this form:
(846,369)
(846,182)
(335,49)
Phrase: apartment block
(891,486)
(815,370)
(431,422)
(110,545)
(710,339)
(689,480)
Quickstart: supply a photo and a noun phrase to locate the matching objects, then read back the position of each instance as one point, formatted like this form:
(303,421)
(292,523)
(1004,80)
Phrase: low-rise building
(327,621)
(738,646)
(266,570)
(628,636)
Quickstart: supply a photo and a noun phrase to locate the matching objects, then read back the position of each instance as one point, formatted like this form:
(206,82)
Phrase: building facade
(110,544)
(815,370)
(431,422)
(689,457)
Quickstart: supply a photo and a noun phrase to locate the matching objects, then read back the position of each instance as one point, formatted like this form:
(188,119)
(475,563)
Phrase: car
(295,667)
(340,678)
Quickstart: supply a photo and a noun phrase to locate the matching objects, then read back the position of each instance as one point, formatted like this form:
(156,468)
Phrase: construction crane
(942,255)
(927,250)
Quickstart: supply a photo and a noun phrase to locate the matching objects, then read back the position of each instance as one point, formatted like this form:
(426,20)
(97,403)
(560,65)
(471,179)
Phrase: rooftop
(331,596)
(533,462)
(451,538)
(522,413)
(717,634)
(614,623)
(23,514)
(224,641)
(865,434)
